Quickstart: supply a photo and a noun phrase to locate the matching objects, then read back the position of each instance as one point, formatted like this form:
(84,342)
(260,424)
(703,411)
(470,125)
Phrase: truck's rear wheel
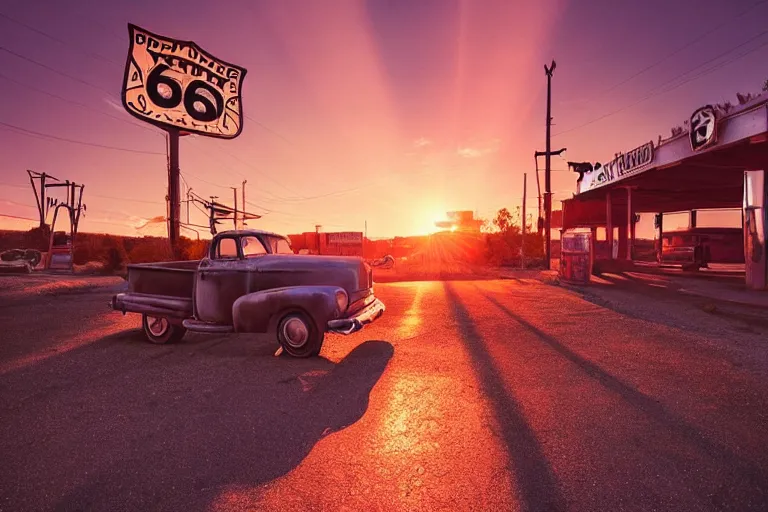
(298,335)
(159,330)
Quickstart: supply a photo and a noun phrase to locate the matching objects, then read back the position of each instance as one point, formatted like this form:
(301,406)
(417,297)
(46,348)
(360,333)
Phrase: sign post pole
(174,197)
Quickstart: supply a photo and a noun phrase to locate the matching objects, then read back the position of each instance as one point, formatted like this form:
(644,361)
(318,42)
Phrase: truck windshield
(252,247)
(279,245)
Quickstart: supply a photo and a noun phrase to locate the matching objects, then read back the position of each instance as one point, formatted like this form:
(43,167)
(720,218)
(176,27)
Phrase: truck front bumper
(354,323)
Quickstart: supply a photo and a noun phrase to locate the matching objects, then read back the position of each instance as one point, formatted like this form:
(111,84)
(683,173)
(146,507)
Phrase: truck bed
(170,279)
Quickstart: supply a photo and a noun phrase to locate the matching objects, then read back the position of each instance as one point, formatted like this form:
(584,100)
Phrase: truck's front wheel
(161,331)
(299,336)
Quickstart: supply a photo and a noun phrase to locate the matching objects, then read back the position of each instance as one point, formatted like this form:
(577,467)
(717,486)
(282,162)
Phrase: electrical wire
(126,199)
(12,185)
(680,49)
(59,41)
(658,90)
(18,204)
(78,104)
(17,217)
(189,175)
(53,70)
(270,130)
(33,133)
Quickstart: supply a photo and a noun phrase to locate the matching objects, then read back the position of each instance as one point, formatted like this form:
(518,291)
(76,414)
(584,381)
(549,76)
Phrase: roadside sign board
(176,84)
(345,238)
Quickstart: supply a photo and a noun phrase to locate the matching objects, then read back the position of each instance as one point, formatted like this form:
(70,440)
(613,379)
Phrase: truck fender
(259,312)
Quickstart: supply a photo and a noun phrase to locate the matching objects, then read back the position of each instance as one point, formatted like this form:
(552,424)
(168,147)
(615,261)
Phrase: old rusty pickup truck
(251,282)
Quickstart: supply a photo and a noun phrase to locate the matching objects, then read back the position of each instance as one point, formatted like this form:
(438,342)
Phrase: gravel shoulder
(740,330)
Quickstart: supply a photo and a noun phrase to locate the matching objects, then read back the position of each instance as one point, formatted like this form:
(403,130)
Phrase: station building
(719,162)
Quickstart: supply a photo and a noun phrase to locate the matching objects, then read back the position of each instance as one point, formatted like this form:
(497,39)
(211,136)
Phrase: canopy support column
(630,226)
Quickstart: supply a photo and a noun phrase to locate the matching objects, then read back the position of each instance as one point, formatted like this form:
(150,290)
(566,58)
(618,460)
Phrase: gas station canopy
(698,169)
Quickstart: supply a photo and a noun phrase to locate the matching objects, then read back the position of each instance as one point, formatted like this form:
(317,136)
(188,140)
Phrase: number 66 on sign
(177,85)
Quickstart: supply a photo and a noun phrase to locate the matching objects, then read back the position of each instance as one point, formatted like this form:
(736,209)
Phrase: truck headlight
(342,300)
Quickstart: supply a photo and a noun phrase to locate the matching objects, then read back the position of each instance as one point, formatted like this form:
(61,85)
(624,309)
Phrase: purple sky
(392,111)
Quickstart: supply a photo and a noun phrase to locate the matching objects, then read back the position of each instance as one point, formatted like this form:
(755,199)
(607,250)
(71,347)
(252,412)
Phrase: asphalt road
(487,395)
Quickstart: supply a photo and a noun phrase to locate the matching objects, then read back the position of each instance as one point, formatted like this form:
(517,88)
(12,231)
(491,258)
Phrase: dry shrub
(150,250)
(113,254)
(192,249)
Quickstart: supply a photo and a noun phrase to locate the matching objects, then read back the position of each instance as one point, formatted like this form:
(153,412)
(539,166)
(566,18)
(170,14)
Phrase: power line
(59,41)
(17,217)
(658,90)
(76,103)
(714,68)
(12,185)
(127,199)
(33,133)
(53,70)
(259,171)
(680,49)
(204,180)
(270,130)
(18,204)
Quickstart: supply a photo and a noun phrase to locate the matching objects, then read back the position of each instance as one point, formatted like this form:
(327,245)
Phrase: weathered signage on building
(623,165)
(176,84)
(703,132)
(345,238)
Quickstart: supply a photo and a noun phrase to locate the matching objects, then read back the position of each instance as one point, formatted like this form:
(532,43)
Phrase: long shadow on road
(171,432)
(536,480)
(746,470)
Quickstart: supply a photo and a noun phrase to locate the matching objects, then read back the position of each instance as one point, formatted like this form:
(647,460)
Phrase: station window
(600,234)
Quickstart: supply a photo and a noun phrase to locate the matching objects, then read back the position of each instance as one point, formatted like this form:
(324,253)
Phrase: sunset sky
(390,112)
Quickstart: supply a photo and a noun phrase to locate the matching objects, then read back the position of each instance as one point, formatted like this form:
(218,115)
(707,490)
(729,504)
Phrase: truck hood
(351,273)
(300,261)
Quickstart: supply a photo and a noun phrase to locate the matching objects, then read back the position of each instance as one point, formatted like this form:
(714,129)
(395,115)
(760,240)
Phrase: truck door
(220,280)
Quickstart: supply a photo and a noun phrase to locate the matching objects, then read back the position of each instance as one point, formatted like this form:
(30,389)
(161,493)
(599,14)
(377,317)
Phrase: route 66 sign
(177,85)
(703,132)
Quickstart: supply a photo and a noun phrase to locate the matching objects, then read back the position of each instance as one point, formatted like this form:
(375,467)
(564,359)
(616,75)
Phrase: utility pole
(244,216)
(40,197)
(548,170)
(74,206)
(547,224)
(189,194)
(522,239)
(234,214)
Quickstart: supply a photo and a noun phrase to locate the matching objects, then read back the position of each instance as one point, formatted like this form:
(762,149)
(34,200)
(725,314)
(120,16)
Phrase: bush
(38,239)
(113,255)
(192,249)
(504,248)
(149,250)
(88,248)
